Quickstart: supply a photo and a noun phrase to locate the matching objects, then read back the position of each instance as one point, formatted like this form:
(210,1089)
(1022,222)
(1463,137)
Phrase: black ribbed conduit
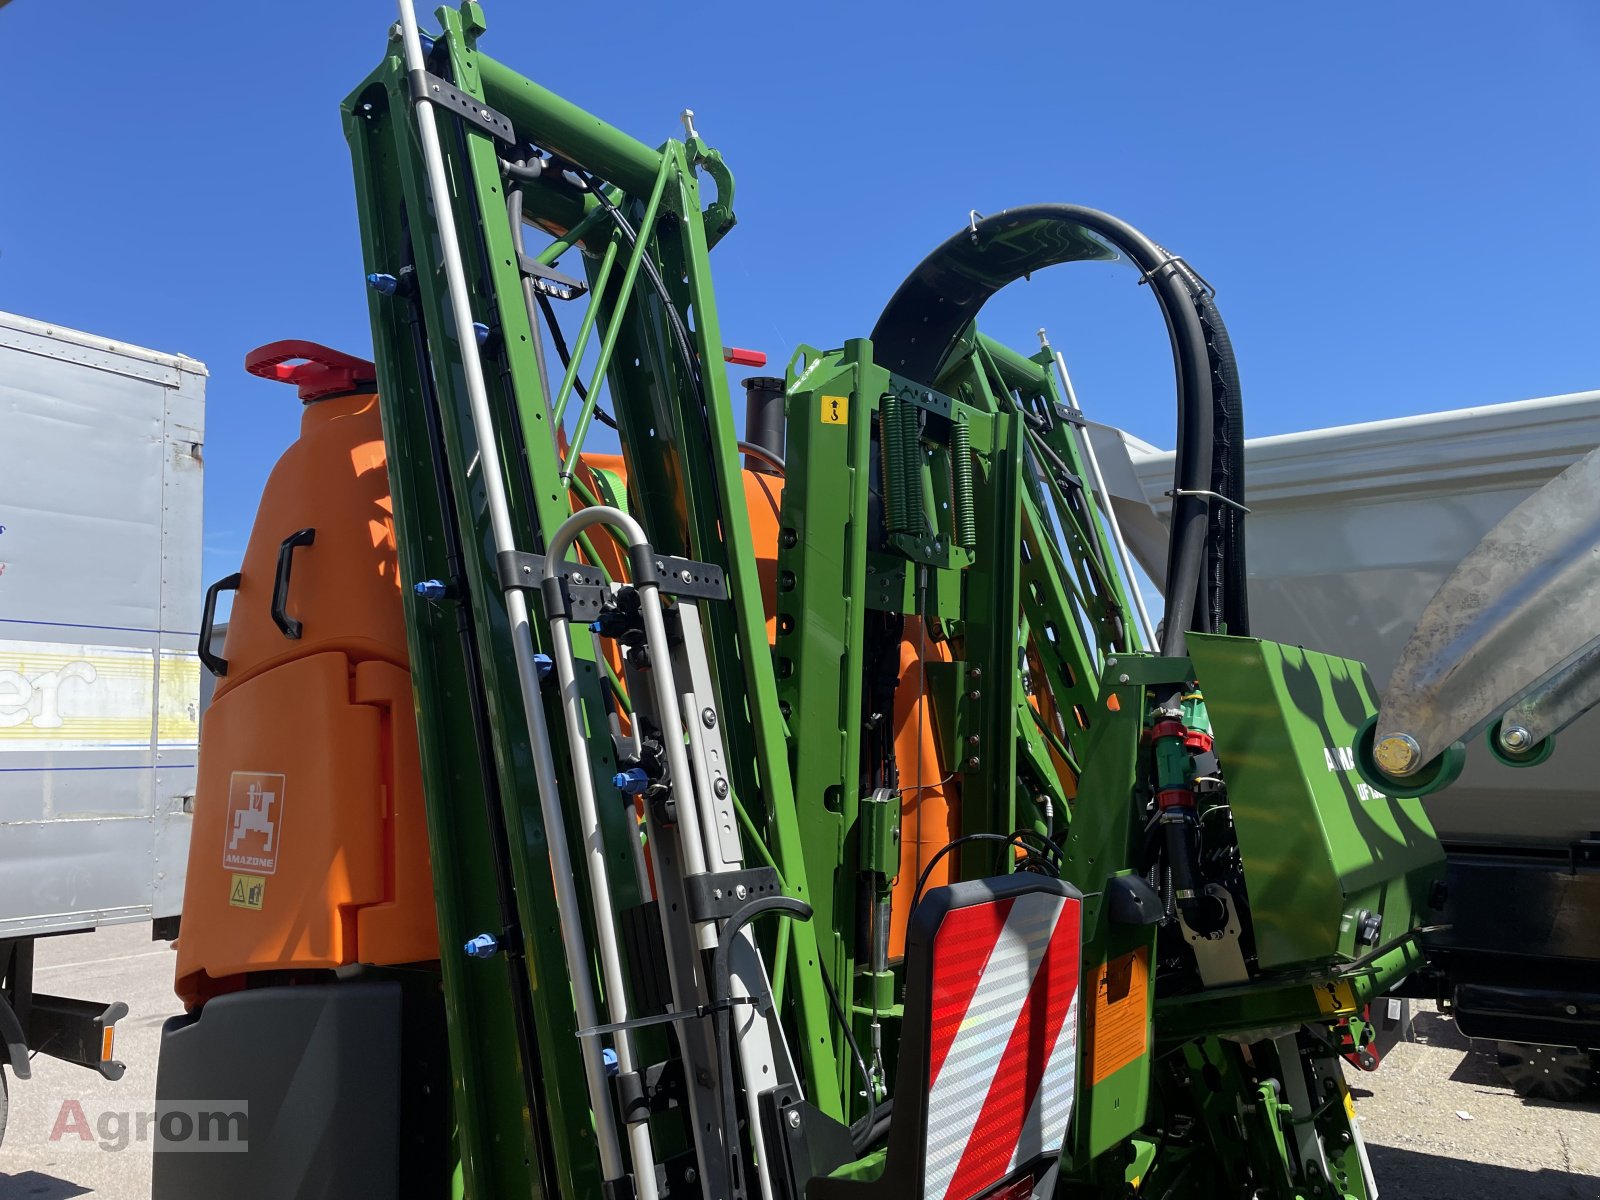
(928,313)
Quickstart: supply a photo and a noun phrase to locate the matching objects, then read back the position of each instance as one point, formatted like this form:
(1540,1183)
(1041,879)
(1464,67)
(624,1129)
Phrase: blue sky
(1396,202)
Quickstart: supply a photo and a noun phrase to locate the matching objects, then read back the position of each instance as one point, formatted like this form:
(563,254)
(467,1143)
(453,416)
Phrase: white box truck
(100,605)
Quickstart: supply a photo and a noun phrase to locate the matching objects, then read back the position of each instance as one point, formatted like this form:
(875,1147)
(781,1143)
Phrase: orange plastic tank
(309,847)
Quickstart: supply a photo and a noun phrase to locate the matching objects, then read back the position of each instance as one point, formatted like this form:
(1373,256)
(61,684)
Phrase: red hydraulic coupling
(1174,798)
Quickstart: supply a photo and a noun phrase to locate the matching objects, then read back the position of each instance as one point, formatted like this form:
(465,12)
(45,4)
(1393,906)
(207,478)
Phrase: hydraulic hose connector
(1173,789)
(1172,738)
(1197,738)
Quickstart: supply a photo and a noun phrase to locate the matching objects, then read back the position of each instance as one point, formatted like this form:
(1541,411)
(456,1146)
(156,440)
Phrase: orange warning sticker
(1117,1031)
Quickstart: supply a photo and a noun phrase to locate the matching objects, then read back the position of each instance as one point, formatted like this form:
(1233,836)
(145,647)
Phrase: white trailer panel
(100,506)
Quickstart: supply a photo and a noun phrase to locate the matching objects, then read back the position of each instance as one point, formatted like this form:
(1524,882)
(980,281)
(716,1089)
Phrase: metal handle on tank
(280,586)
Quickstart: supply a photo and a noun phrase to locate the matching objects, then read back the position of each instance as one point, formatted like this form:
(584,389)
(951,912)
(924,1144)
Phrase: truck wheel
(1547,1072)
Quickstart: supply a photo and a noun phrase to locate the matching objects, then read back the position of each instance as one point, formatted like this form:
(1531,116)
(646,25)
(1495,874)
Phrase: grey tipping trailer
(100,537)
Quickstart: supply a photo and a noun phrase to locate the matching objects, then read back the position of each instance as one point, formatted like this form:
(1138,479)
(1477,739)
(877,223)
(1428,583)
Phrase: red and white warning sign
(255,816)
(1003,1040)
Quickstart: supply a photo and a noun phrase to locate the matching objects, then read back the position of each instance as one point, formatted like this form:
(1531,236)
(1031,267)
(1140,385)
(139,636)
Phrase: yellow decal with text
(835,410)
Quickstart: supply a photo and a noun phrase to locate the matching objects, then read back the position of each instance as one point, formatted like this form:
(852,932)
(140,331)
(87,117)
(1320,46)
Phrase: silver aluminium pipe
(1124,559)
(494,488)
(661,674)
(600,894)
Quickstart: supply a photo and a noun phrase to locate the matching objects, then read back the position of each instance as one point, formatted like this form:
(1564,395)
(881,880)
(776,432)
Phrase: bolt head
(740,892)
(1515,737)
(1397,754)
(709,716)
(794,1119)
(720,787)
(972,763)
(1122,679)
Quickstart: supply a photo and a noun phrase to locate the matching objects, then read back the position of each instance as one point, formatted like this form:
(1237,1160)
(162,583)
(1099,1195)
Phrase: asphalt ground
(1439,1122)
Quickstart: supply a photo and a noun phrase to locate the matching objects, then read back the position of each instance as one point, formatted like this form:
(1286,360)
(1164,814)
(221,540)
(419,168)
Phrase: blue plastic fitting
(481,332)
(383,282)
(431,589)
(485,945)
(609,1057)
(632,781)
(543,664)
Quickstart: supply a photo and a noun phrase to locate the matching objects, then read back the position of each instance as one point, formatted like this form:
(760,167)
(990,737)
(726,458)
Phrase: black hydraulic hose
(1204,913)
(494,806)
(1227,475)
(927,315)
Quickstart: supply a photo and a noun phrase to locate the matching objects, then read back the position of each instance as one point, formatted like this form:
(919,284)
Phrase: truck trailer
(100,511)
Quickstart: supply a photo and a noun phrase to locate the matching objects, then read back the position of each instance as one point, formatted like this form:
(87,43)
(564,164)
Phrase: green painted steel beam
(558,125)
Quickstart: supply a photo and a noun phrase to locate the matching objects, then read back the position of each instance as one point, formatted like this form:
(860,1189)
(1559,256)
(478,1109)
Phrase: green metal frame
(957,511)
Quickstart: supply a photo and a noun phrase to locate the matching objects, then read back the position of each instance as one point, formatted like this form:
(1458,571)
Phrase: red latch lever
(743,358)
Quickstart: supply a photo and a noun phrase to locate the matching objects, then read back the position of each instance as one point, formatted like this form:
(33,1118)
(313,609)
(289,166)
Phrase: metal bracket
(653,1090)
(686,577)
(717,896)
(913,393)
(580,591)
(550,281)
(1210,495)
(520,569)
(426,86)
(1220,959)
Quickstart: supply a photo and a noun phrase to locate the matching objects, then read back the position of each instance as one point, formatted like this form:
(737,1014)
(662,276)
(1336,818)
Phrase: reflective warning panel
(1002,1040)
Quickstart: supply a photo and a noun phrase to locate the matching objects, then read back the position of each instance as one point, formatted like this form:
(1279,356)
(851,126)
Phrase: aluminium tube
(1123,557)
(600,895)
(494,488)
(666,689)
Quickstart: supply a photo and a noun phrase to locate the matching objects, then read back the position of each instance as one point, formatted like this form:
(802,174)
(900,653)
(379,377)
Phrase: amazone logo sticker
(255,817)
